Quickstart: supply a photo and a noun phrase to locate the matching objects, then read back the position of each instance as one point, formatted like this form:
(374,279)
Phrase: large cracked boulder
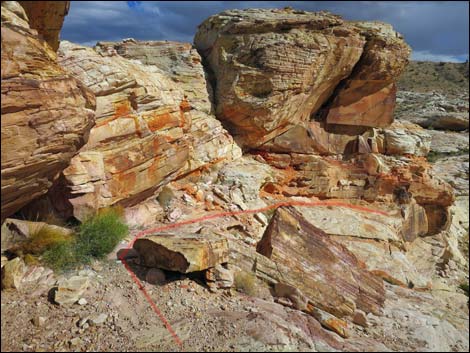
(154,121)
(46,113)
(273,69)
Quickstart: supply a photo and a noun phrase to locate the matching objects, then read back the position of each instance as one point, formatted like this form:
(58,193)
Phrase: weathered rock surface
(406,138)
(154,122)
(69,290)
(449,142)
(331,322)
(323,139)
(298,299)
(369,176)
(367,97)
(261,93)
(12,273)
(46,113)
(446,121)
(219,277)
(182,253)
(395,224)
(326,272)
(47,18)
(434,110)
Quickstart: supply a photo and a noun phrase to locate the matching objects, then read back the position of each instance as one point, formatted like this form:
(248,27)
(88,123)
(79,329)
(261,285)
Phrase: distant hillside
(425,76)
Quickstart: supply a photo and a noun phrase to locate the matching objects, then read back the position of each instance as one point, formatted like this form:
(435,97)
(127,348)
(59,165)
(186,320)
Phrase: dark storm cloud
(435,30)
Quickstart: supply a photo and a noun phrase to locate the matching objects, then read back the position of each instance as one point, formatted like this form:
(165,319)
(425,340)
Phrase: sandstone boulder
(331,322)
(298,299)
(396,224)
(405,138)
(46,113)
(12,273)
(326,272)
(320,138)
(219,277)
(260,91)
(16,231)
(390,244)
(446,121)
(273,69)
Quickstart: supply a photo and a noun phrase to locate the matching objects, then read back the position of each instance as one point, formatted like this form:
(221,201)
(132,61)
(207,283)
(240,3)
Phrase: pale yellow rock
(70,290)
(274,68)
(47,18)
(12,273)
(406,138)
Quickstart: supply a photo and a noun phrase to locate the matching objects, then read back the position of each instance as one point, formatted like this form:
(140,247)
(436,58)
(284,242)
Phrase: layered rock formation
(367,97)
(274,69)
(154,122)
(312,96)
(46,113)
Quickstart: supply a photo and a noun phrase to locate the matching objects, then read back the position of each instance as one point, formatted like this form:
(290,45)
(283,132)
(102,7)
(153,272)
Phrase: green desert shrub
(465,288)
(61,256)
(245,282)
(98,235)
(31,260)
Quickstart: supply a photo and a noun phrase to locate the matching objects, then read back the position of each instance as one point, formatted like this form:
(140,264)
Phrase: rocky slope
(445,78)
(333,231)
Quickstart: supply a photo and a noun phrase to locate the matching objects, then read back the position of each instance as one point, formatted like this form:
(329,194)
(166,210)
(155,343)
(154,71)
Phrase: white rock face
(405,138)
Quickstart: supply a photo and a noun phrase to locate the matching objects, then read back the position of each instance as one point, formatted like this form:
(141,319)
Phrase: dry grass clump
(41,238)
(245,282)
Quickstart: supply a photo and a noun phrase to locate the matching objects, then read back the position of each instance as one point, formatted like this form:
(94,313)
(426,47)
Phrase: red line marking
(152,304)
(220,215)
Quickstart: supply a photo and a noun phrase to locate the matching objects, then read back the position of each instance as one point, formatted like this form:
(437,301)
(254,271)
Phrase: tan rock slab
(12,273)
(182,253)
(70,290)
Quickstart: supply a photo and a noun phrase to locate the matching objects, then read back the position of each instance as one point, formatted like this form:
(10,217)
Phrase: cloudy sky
(436,30)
